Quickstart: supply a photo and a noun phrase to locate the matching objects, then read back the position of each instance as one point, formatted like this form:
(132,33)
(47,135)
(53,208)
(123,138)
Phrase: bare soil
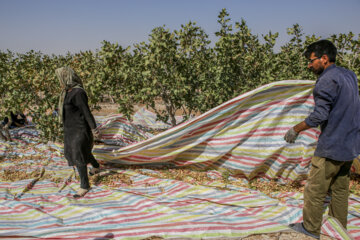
(267,236)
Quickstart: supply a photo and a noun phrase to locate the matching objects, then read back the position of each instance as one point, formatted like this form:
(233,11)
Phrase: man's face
(315,64)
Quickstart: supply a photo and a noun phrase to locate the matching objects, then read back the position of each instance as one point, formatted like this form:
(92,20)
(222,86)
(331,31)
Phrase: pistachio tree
(115,74)
(291,59)
(165,71)
(348,47)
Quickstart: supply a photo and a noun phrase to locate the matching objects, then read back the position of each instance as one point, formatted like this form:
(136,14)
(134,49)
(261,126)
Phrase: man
(337,111)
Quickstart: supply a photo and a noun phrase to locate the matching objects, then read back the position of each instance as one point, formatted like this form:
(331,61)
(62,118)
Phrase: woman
(78,123)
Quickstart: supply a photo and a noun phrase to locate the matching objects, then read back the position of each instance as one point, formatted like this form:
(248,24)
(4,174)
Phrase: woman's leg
(93,161)
(84,179)
(95,164)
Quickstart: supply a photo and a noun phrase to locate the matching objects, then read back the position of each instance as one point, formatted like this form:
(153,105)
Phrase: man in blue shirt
(337,111)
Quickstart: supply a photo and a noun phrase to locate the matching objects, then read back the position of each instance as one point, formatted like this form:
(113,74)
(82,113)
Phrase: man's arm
(301,127)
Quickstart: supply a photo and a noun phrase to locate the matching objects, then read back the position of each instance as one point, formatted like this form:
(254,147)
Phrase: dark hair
(320,48)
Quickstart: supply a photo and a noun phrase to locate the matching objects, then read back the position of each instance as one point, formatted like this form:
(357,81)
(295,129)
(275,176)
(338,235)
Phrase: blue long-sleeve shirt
(337,111)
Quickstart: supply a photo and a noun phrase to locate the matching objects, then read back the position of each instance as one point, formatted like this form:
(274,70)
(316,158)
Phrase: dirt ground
(284,236)
(268,236)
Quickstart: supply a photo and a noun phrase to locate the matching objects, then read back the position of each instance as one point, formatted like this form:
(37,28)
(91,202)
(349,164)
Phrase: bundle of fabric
(117,130)
(147,119)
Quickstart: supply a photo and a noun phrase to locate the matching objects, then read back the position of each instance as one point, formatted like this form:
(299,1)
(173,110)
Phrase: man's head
(321,54)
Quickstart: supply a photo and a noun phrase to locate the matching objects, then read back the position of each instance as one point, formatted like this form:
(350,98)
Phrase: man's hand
(291,135)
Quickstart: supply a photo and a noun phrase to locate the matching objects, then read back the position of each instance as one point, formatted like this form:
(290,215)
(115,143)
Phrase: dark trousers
(82,170)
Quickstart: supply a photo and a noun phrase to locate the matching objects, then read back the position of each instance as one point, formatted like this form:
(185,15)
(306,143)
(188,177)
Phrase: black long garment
(78,122)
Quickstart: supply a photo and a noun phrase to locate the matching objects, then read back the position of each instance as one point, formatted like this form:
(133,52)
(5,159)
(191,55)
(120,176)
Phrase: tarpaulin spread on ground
(243,136)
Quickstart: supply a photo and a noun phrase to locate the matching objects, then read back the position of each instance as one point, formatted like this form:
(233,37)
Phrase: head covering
(68,80)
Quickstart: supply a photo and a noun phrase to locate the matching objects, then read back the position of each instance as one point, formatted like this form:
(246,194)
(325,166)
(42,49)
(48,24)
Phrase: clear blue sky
(59,26)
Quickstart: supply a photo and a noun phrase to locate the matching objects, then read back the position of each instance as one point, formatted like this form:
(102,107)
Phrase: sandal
(81,192)
(299,227)
(94,171)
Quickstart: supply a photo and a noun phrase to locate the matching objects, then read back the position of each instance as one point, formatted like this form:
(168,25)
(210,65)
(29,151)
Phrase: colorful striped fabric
(243,135)
(147,119)
(148,207)
(117,130)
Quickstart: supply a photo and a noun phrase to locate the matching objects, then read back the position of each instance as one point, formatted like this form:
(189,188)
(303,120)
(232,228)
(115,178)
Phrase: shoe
(299,227)
(80,193)
(94,171)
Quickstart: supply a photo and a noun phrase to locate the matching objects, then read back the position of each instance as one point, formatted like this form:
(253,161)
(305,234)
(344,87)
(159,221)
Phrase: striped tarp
(149,207)
(148,119)
(243,135)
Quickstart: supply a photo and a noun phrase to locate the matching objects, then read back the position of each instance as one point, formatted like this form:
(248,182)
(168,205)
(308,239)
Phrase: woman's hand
(96,134)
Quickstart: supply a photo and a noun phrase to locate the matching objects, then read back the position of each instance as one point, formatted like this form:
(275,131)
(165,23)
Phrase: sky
(62,26)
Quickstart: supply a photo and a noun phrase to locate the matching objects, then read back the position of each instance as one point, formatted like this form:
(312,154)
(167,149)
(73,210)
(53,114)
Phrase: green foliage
(172,66)
(29,85)
(291,60)
(242,61)
(348,51)
(115,74)
(173,72)
(158,73)
(86,64)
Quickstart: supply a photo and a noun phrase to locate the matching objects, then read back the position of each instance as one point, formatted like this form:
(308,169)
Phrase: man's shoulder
(340,70)
(336,73)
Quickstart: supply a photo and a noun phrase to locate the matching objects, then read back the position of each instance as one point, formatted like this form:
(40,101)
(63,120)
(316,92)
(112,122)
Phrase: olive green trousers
(326,175)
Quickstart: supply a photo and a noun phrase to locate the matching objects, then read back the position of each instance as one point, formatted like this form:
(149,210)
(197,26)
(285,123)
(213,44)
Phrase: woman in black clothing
(79,126)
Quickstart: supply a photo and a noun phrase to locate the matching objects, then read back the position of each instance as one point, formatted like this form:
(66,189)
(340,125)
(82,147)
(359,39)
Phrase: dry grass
(266,236)
(112,179)
(12,174)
